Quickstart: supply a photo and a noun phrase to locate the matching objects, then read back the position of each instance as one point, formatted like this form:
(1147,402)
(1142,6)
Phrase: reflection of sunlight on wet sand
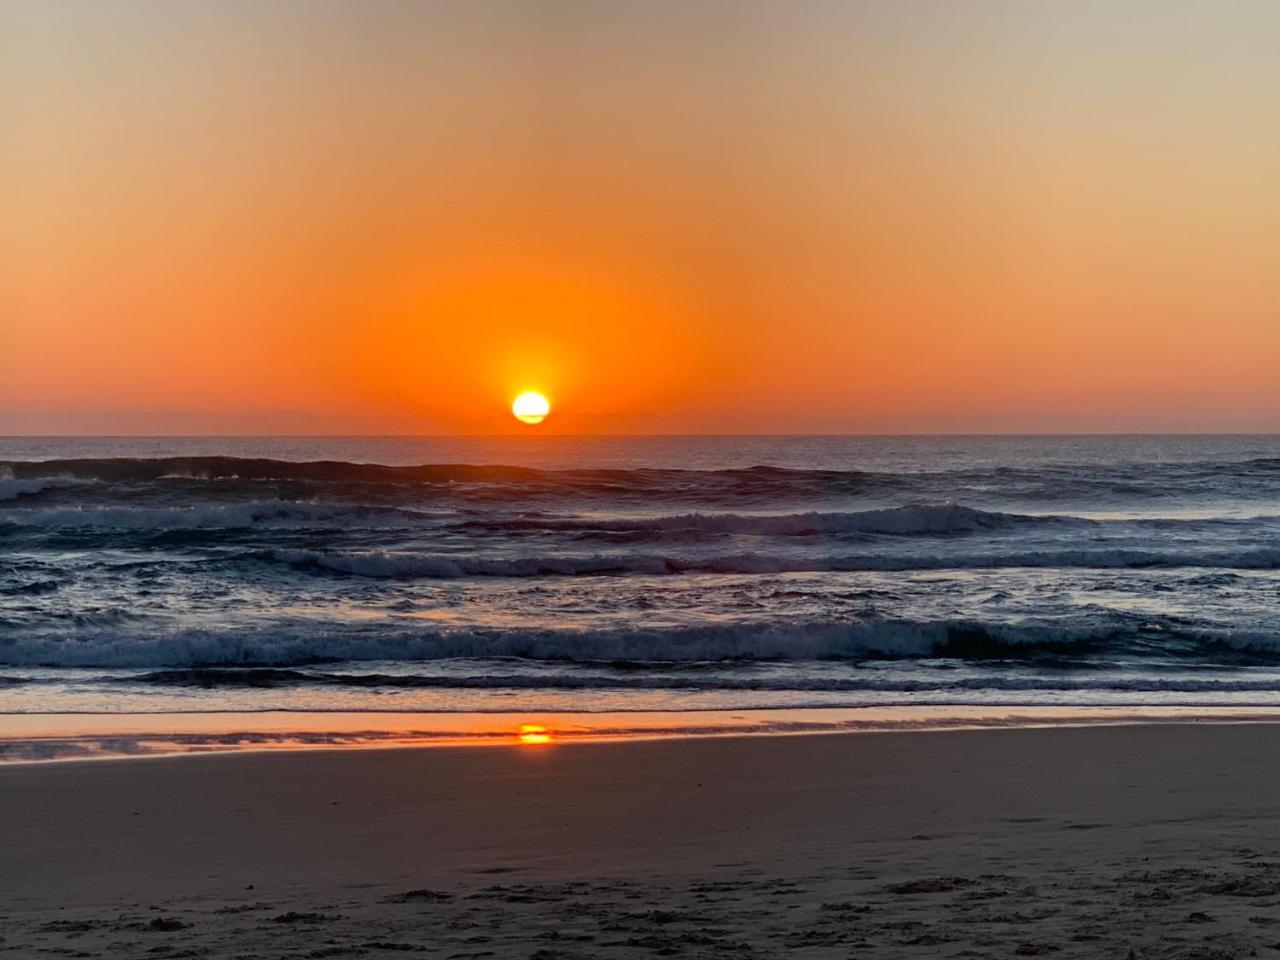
(34,737)
(534,733)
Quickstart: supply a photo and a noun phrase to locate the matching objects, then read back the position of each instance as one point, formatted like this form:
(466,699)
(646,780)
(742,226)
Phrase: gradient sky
(672,216)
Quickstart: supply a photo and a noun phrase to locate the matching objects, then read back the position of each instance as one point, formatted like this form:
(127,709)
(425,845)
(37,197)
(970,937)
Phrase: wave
(382,565)
(307,643)
(216,516)
(15,489)
(142,469)
(484,482)
(133,469)
(272,678)
(31,588)
(898,521)
(915,519)
(203,477)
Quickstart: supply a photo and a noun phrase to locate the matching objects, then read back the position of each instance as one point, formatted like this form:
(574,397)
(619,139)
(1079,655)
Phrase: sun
(531,407)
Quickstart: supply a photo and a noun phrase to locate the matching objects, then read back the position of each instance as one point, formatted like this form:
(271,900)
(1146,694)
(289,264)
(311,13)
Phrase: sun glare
(531,407)
(534,733)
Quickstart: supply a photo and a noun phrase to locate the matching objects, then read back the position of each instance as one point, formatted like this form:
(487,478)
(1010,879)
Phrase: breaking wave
(302,644)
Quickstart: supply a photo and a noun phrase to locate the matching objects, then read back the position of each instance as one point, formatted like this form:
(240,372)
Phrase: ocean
(613,576)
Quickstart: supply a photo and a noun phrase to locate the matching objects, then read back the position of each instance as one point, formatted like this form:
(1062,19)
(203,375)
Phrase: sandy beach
(1142,841)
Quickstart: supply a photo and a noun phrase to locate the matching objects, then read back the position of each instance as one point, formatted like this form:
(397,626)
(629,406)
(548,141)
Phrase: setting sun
(531,407)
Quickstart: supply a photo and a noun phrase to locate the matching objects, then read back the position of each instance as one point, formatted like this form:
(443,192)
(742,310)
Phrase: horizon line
(623,436)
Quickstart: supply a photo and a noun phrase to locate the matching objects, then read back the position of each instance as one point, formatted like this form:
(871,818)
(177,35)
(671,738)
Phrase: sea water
(614,575)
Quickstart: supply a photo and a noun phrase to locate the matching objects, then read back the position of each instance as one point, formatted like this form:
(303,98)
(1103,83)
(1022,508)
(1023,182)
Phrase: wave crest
(305,643)
(382,565)
(211,678)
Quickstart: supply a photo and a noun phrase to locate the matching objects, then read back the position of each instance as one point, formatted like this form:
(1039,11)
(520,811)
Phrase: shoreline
(95,737)
(1082,841)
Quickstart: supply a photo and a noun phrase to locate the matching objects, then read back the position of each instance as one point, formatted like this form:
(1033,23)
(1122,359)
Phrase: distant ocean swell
(230,477)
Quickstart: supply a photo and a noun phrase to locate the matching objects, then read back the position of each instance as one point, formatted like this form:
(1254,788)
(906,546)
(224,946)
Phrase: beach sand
(1138,841)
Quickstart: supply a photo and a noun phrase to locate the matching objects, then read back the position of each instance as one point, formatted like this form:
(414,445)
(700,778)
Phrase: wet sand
(1150,841)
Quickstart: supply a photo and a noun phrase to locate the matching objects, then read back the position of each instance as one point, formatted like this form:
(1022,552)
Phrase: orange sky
(725,216)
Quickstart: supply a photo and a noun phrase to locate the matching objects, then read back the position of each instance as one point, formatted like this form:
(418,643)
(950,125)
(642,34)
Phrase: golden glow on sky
(530,407)
(367,216)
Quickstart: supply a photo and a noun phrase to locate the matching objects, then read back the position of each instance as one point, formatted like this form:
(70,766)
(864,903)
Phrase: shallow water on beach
(34,738)
(630,575)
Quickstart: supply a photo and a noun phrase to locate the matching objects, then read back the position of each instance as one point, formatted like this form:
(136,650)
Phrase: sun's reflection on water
(44,737)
